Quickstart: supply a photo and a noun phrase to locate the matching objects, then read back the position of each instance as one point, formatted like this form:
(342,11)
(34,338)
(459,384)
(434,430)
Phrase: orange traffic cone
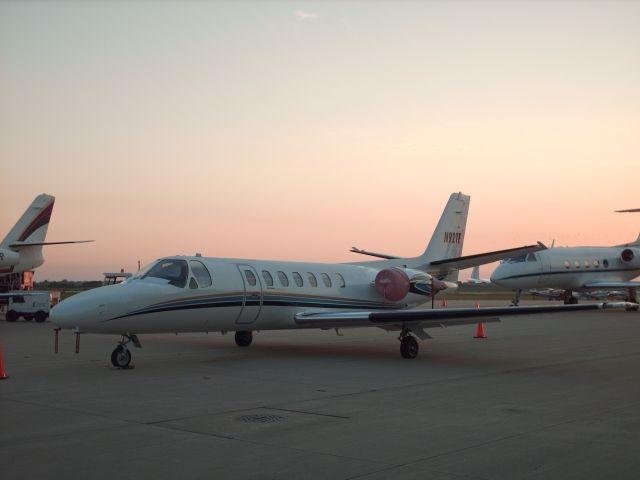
(477,304)
(3,374)
(480,331)
(444,302)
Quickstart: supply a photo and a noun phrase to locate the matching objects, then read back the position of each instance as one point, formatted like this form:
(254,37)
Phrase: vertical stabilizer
(33,224)
(475,273)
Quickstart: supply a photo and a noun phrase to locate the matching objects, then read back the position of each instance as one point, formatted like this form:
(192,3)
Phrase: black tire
(244,338)
(12,316)
(120,357)
(41,316)
(409,347)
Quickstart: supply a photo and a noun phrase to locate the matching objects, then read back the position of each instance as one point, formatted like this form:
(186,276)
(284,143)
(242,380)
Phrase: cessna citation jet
(572,269)
(21,249)
(198,294)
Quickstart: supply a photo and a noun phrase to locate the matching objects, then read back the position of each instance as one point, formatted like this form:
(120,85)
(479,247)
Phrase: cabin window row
(586,264)
(298,279)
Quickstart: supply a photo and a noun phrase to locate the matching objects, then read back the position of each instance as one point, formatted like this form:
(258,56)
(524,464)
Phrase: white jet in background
(21,249)
(573,269)
(198,294)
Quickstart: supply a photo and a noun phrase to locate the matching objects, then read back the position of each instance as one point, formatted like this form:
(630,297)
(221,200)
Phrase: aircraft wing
(606,285)
(460,263)
(37,244)
(431,318)
(629,210)
(372,254)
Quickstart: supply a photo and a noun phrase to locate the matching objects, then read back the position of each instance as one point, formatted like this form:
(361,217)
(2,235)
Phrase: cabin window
(201,273)
(340,280)
(297,278)
(284,280)
(268,279)
(587,264)
(567,264)
(605,263)
(576,264)
(326,280)
(175,271)
(193,284)
(596,264)
(312,279)
(17,299)
(251,278)
(532,257)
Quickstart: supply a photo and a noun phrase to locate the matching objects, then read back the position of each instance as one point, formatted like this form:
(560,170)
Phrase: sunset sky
(295,130)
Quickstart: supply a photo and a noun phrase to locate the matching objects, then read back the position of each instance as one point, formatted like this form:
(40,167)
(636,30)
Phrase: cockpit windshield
(172,270)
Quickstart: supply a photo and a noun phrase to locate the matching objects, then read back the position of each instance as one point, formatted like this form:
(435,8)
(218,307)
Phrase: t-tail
(448,238)
(28,234)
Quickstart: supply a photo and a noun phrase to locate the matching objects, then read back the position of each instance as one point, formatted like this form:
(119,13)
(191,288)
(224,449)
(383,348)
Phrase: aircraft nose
(497,276)
(75,312)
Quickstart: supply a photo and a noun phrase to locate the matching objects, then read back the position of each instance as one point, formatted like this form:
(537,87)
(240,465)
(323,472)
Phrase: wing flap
(434,318)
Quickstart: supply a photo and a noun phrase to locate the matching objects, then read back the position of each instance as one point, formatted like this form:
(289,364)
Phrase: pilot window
(532,257)
(201,273)
(519,259)
(175,271)
(251,278)
(284,280)
(326,280)
(268,279)
(312,279)
(340,280)
(193,284)
(297,278)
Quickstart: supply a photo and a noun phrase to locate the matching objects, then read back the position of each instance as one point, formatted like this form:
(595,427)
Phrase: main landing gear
(121,356)
(244,338)
(408,344)
(569,299)
(633,298)
(515,301)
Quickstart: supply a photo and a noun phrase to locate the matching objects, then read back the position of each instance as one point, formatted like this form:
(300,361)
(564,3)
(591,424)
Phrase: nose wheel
(408,345)
(121,357)
(244,338)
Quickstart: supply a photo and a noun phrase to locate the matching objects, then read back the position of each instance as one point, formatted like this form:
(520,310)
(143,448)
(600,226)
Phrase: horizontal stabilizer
(433,318)
(38,244)
(372,254)
(469,261)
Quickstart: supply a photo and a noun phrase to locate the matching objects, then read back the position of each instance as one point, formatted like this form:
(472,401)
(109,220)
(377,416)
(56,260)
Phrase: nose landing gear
(244,338)
(121,356)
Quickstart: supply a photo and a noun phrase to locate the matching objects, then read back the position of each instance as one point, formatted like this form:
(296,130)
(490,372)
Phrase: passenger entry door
(252,298)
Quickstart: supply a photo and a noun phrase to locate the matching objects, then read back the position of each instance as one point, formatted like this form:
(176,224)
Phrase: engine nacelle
(630,255)
(394,284)
(8,258)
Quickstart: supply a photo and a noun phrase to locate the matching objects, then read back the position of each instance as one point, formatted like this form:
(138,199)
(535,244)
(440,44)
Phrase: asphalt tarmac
(552,396)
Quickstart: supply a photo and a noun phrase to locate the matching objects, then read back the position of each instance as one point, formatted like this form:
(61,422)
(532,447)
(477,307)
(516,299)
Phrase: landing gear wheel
(244,338)
(12,316)
(409,347)
(41,316)
(121,357)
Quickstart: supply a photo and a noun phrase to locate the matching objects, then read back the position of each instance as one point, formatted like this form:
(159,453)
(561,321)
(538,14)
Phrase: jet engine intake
(8,258)
(393,284)
(629,254)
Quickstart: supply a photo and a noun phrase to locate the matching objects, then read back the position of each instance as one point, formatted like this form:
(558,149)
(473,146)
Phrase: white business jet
(572,269)
(21,249)
(198,294)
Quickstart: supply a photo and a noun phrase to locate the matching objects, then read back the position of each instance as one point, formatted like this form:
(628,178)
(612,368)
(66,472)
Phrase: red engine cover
(627,255)
(392,284)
